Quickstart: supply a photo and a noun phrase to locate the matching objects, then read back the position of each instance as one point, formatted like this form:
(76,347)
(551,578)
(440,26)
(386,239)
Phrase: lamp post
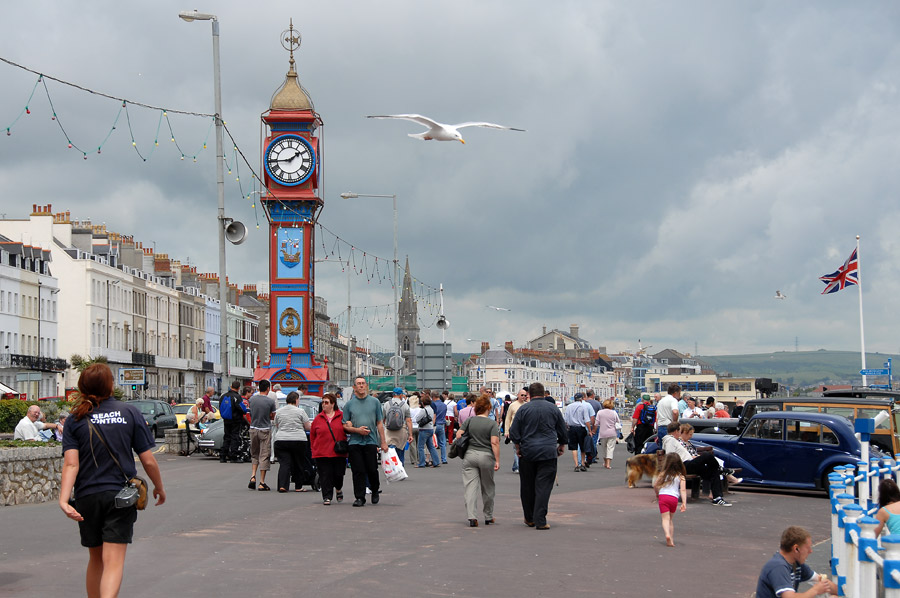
(190,16)
(397,282)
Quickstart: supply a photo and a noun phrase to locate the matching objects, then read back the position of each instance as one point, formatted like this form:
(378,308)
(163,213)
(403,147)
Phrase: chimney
(509,346)
(573,330)
(485,346)
(545,330)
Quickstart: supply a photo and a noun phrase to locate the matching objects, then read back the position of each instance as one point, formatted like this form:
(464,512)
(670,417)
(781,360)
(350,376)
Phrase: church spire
(408,318)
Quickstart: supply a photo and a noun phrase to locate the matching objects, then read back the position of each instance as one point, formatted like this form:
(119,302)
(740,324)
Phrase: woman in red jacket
(331,465)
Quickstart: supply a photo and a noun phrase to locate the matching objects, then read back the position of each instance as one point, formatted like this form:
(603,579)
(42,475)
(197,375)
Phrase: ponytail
(95,385)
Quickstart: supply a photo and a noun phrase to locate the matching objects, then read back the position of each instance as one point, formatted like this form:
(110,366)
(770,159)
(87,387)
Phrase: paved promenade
(214,537)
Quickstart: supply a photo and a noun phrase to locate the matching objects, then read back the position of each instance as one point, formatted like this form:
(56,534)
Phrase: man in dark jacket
(540,435)
(231,442)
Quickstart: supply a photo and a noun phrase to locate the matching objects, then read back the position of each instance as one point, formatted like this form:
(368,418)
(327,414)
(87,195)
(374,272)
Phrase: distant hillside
(801,368)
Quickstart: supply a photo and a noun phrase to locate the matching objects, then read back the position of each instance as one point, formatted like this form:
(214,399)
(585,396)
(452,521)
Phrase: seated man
(692,410)
(30,426)
(703,465)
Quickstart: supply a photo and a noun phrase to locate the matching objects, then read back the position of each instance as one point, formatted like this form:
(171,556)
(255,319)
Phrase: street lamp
(191,16)
(397,282)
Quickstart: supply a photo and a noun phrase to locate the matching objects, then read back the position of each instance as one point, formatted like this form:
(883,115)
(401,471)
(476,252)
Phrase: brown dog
(639,466)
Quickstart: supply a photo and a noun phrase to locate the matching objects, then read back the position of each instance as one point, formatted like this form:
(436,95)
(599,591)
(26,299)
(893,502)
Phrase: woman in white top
(291,446)
(414,411)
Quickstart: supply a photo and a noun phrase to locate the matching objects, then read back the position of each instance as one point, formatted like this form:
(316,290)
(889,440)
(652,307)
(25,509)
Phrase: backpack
(424,418)
(394,419)
(225,406)
(648,414)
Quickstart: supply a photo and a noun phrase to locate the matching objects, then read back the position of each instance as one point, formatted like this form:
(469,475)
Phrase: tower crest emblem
(290,252)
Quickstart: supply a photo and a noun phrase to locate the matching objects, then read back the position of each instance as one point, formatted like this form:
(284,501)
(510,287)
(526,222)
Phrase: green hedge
(13,410)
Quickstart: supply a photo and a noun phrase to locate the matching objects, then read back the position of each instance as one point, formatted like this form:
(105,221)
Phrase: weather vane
(290,39)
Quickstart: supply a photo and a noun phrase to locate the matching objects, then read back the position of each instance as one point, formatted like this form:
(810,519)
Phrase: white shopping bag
(392,467)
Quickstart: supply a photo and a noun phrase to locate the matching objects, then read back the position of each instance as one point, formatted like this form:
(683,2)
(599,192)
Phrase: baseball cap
(399,391)
(579,395)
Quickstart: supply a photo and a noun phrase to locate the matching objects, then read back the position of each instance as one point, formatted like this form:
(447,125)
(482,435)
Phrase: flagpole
(862,336)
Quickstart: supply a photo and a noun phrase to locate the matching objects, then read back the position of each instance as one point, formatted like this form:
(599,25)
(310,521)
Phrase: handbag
(134,493)
(459,446)
(341,447)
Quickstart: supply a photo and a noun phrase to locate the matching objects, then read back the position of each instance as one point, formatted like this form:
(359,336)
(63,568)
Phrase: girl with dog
(669,485)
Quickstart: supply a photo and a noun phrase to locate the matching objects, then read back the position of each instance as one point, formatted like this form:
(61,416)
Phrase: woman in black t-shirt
(89,468)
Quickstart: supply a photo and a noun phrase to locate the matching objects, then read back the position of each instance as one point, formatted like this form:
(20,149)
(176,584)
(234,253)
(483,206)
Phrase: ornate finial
(290,41)
(291,95)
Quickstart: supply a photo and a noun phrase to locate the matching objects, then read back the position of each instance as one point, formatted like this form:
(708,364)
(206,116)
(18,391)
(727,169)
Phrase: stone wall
(30,474)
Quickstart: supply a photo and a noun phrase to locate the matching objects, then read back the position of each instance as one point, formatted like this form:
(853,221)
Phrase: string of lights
(363,263)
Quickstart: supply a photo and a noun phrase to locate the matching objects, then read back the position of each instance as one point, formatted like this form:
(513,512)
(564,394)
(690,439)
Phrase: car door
(762,439)
(807,444)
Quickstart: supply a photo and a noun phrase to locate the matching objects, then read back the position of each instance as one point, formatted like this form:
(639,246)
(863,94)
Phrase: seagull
(439,131)
(498,308)
(779,295)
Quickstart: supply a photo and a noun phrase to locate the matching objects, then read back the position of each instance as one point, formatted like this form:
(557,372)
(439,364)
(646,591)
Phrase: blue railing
(863,566)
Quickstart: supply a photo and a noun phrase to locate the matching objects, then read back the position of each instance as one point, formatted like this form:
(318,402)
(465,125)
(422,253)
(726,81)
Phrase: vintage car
(850,403)
(788,449)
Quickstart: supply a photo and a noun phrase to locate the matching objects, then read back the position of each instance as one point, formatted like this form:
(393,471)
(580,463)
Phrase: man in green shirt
(363,422)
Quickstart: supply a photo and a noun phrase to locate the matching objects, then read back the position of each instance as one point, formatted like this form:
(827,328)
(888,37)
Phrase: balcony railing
(143,359)
(42,364)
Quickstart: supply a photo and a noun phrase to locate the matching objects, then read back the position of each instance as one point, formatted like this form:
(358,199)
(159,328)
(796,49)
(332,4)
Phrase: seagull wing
(483,124)
(416,118)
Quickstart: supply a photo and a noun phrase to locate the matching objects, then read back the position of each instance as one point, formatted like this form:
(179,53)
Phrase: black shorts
(577,435)
(103,522)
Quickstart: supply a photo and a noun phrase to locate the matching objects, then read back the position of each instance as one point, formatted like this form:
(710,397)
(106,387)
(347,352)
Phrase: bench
(693,481)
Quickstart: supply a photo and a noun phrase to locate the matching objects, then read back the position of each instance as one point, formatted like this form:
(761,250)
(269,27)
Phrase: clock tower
(292,169)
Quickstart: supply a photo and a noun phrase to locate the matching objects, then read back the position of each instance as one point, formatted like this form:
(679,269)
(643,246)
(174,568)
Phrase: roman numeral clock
(291,172)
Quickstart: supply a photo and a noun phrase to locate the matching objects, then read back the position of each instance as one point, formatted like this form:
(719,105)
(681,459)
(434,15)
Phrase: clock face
(290,159)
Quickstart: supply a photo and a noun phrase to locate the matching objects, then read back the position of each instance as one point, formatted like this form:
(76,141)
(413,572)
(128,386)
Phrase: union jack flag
(845,275)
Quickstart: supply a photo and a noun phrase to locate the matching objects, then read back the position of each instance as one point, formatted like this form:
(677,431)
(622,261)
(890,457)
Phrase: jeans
(441,433)
(425,439)
(400,452)
(660,434)
(515,465)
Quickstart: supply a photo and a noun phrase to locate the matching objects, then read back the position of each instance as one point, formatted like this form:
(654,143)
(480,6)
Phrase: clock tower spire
(291,173)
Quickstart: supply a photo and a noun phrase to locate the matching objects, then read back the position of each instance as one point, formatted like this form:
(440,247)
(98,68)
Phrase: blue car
(787,449)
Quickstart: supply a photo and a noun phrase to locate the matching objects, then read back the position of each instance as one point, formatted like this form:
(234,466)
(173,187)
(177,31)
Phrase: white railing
(862,565)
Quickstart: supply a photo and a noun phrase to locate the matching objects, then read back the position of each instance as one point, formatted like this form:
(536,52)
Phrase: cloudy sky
(682,161)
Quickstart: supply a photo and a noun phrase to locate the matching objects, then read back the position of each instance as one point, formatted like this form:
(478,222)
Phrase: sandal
(340,496)
(301,490)
(282,490)
(326,502)
(252,484)
(263,487)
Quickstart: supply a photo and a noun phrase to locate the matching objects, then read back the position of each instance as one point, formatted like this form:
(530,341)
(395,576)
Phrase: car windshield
(182,409)
(146,408)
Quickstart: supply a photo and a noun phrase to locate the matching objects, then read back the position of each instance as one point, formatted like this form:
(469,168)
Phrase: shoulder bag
(341,447)
(134,493)
(459,446)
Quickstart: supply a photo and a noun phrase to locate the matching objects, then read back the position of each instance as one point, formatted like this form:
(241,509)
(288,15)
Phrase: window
(842,411)
(803,431)
(766,429)
(870,414)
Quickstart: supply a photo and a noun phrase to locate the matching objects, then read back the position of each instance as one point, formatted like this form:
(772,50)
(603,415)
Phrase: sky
(681,161)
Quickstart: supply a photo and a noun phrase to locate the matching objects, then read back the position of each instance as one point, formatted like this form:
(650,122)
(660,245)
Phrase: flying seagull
(779,295)
(439,131)
(498,308)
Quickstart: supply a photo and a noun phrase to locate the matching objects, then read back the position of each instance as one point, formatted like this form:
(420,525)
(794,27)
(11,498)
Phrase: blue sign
(882,386)
(879,372)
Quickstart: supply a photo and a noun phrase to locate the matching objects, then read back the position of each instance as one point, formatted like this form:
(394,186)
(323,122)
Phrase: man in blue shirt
(782,575)
(440,425)
(363,422)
